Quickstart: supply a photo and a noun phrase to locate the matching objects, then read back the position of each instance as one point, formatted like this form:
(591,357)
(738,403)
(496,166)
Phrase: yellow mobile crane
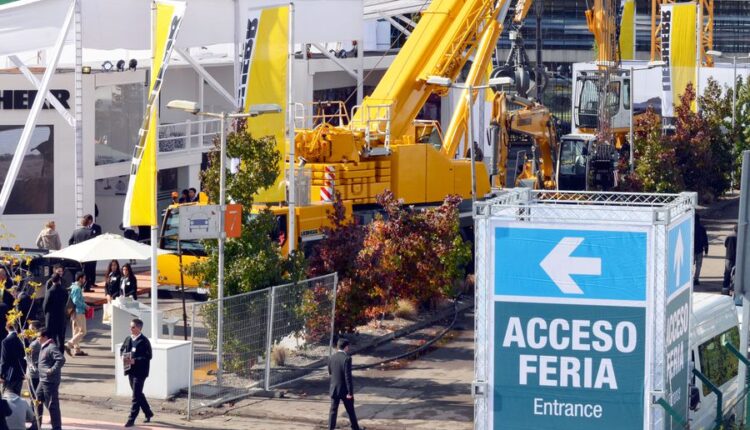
(384,145)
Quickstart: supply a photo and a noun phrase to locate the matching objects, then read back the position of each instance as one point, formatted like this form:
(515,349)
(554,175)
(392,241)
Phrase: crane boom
(447,35)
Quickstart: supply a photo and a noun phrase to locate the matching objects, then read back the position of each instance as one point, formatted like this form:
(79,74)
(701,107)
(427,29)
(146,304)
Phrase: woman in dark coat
(112,281)
(128,283)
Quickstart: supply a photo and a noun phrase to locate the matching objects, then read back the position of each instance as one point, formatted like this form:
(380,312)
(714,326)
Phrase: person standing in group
(49,238)
(342,386)
(55,302)
(175,198)
(50,364)
(33,370)
(6,283)
(184,196)
(700,247)
(20,412)
(730,257)
(128,283)
(23,302)
(192,195)
(89,267)
(12,361)
(138,348)
(112,281)
(80,235)
(95,228)
(78,319)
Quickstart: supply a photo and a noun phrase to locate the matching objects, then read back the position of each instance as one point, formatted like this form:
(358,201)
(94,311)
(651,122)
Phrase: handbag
(107,313)
(89,313)
(70,308)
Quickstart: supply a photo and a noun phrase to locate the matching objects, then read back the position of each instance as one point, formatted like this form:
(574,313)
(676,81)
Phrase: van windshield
(717,363)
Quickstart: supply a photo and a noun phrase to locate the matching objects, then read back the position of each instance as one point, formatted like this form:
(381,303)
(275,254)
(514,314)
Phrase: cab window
(717,363)
(170,236)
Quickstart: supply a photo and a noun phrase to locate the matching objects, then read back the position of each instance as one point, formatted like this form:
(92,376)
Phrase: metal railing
(188,135)
(270,337)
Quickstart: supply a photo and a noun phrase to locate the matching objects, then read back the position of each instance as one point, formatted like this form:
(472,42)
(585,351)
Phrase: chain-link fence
(270,337)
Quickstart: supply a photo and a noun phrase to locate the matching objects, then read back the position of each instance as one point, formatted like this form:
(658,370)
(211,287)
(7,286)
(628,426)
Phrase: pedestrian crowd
(39,359)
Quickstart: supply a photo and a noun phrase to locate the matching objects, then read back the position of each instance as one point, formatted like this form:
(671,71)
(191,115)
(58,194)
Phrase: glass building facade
(564,26)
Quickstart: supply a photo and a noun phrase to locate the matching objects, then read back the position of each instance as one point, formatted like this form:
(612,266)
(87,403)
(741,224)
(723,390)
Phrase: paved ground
(429,393)
(719,220)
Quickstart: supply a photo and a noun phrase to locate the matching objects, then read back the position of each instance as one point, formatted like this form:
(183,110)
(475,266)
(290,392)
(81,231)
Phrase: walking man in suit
(51,361)
(55,302)
(138,348)
(12,361)
(342,388)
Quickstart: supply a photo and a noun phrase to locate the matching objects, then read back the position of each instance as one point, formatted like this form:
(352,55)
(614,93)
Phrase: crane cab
(587,107)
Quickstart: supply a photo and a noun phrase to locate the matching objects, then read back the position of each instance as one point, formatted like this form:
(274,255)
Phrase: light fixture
(439,81)
(714,53)
(86,70)
(107,66)
(132,64)
(184,105)
(261,109)
(121,66)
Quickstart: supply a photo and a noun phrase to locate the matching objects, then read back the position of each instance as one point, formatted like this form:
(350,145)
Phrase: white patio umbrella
(106,246)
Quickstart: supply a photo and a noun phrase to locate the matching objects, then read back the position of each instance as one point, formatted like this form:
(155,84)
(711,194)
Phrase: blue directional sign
(679,256)
(570,263)
(569,317)
(677,350)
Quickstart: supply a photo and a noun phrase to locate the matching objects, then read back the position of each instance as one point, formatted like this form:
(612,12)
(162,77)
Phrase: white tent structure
(91,25)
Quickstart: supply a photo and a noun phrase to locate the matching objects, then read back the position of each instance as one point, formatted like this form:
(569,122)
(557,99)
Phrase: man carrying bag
(136,356)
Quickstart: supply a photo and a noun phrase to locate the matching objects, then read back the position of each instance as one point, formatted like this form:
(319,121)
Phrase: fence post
(192,360)
(269,337)
(333,311)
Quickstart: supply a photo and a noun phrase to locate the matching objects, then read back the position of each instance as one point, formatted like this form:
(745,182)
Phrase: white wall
(26,227)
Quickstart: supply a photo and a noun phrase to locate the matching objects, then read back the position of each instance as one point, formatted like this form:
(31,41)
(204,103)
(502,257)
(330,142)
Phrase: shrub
(279,355)
(405,309)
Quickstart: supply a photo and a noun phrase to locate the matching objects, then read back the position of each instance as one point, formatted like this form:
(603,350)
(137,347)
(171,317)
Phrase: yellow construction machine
(602,107)
(384,146)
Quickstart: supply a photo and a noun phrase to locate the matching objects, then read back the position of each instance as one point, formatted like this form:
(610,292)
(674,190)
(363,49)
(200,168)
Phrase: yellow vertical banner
(140,200)
(627,30)
(683,48)
(264,81)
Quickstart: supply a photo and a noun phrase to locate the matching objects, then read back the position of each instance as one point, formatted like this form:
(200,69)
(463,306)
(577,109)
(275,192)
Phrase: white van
(714,321)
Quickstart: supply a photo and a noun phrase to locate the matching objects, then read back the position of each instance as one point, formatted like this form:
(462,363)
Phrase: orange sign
(233,220)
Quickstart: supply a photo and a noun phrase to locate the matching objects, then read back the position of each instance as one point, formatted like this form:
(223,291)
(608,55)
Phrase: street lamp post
(734,79)
(441,81)
(631,134)
(255,110)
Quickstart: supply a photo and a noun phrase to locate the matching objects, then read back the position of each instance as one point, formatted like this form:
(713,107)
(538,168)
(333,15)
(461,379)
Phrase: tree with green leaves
(253,261)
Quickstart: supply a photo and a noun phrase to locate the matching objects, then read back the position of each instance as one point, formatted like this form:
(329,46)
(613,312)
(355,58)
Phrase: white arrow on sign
(679,251)
(559,265)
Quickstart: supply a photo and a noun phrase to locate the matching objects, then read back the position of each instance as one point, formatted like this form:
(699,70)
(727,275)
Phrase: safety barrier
(270,337)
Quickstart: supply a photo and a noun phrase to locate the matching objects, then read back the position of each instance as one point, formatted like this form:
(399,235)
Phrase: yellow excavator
(385,145)
(602,109)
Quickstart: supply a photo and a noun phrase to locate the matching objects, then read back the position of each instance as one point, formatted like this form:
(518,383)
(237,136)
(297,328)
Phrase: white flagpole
(155,323)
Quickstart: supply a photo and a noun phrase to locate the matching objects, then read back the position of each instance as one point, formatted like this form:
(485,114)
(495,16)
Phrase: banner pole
(291,231)
(154,228)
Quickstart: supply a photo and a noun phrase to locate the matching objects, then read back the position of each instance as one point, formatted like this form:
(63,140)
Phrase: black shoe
(130,423)
(148,418)
(696,282)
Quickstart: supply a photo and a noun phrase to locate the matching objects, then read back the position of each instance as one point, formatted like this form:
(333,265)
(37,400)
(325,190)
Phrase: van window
(717,363)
